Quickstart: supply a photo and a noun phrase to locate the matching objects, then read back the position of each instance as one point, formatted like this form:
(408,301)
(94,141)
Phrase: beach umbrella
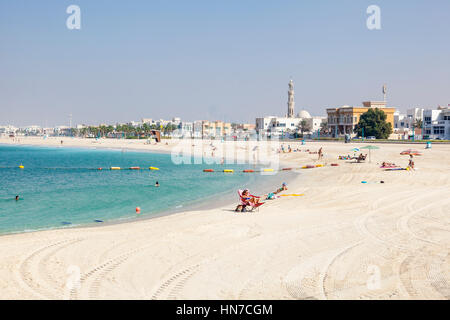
(410,152)
(370,148)
(355,149)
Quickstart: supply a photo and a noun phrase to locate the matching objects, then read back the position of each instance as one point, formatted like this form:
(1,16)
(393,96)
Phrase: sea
(62,187)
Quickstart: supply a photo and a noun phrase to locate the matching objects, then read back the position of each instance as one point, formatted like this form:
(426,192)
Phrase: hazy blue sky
(228,60)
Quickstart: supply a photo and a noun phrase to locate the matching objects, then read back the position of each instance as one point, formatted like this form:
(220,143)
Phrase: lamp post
(423,128)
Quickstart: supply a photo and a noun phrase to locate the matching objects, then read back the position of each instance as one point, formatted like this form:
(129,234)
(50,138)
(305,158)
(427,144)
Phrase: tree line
(122,130)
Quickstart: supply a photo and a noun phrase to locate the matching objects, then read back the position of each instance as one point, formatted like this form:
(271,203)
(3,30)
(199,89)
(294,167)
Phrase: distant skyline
(216,60)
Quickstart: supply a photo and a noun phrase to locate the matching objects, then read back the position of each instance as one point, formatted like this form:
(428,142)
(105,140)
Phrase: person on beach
(251,199)
(411,162)
(361,157)
(320,153)
(157,184)
(283,188)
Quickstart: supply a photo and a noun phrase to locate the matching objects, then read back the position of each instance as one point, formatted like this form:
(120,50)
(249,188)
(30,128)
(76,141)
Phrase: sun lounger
(245,203)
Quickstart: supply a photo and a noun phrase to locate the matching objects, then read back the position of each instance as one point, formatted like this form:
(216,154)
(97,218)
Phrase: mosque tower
(291,103)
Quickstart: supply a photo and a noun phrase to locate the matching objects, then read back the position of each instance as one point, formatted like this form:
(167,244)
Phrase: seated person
(361,157)
(248,199)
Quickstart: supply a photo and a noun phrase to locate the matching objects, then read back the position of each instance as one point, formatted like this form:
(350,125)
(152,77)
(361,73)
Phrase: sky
(216,60)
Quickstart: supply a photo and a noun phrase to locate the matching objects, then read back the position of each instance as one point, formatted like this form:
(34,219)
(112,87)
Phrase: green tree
(324,127)
(304,126)
(374,123)
(418,123)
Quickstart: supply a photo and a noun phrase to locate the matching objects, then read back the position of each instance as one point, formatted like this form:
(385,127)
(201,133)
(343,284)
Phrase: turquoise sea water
(60,187)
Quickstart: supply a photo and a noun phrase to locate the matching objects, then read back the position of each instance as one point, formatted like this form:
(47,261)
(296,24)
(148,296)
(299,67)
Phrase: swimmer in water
(17,198)
(157,184)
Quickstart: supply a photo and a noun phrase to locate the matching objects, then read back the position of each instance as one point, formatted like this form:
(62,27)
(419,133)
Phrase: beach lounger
(245,204)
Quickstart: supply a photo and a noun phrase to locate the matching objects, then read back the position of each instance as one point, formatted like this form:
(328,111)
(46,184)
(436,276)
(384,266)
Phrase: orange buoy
(249,170)
(138,210)
(286,169)
(335,165)
(99,169)
(135,168)
(208,170)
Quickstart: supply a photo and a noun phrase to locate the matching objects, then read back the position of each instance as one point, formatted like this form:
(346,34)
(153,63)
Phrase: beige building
(246,126)
(343,120)
(215,128)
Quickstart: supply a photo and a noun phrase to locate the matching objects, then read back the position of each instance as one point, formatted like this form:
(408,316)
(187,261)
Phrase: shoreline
(317,246)
(194,205)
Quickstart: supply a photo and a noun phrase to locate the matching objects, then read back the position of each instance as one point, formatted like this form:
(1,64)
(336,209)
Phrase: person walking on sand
(411,162)
(320,153)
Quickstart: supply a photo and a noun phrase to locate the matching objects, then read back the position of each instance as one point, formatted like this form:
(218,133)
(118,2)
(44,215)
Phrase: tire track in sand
(43,291)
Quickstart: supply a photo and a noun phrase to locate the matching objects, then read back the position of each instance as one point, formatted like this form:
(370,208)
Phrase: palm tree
(303,126)
(418,123)
(324,127)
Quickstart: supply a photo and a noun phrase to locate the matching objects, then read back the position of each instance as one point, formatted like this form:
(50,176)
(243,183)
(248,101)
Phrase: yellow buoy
(319,165)
(153,168)
(115,168)
(268,170)
(228,170)
(21,167)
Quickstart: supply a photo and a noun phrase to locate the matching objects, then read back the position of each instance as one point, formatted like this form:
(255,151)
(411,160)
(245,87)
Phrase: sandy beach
(342,240)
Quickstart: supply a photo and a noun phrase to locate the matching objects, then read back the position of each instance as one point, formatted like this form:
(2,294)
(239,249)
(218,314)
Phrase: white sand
(342,240)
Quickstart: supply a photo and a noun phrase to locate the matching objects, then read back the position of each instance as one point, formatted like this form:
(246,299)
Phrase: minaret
(291,103)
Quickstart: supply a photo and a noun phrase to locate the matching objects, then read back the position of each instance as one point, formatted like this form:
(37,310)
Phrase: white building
(8,130)
(273,125)
(62,131)
(185,130)
(149,121)
(32,130)
(289,125)
(404,123)
(437,123)
(315,123)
